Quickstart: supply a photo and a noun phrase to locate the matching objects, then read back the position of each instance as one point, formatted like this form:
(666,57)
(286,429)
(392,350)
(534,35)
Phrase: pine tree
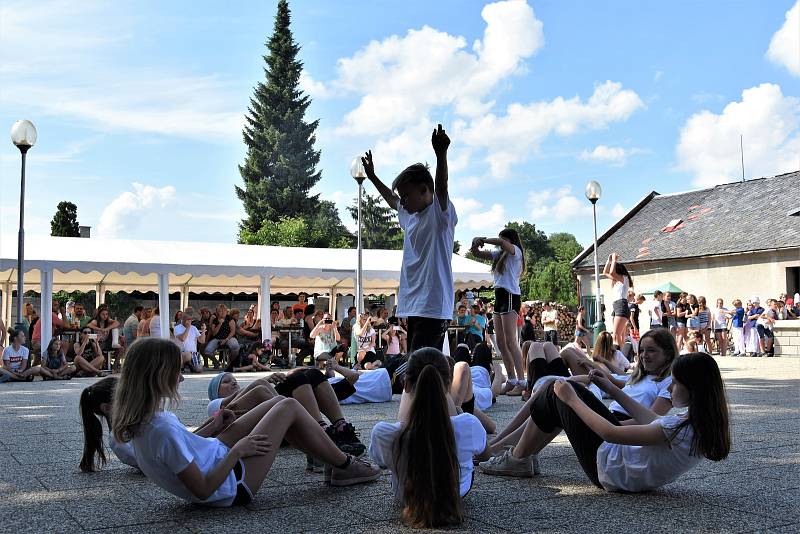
(381,229)
(65,221)
(281,164)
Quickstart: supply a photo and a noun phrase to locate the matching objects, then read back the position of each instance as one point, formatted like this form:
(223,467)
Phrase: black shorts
(369,357)
(243,493)
(426,332)
(621,308)
(505,302)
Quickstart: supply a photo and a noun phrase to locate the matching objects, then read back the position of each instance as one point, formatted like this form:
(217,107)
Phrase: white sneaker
(507,465)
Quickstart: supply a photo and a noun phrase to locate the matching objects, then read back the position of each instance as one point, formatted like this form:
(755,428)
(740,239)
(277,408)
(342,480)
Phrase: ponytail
(426,449)
(94,454)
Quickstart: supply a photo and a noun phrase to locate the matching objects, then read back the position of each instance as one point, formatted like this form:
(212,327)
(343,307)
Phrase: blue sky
(139,105)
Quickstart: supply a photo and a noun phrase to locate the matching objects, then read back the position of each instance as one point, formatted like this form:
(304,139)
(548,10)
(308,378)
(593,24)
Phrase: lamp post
(358,174)
(593,192)
(23,135)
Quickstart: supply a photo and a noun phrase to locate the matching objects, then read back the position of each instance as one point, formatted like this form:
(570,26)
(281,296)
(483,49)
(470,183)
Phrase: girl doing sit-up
(222,471)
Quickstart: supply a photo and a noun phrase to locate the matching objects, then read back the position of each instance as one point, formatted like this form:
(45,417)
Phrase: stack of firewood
(566,321)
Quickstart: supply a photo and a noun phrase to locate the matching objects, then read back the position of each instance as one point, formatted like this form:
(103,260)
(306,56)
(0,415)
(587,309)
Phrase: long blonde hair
(603,348)
(149,378)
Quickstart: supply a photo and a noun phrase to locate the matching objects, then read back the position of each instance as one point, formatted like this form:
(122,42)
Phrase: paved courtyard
(756,489)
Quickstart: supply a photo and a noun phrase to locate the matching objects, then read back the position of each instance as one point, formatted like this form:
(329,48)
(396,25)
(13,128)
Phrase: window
(674,224)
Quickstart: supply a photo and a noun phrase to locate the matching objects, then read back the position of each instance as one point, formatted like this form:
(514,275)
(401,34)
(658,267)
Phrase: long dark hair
(482,356)
(425,451)
(621,270)
(708,406)
(49,350)
(499,263)
(101,392)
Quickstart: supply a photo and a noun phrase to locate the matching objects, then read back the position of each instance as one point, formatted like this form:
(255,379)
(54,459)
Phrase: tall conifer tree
(65,221)
(281,163)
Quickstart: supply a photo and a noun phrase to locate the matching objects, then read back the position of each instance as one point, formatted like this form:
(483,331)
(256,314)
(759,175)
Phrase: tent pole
(46,284)
(264,307)
(163,303)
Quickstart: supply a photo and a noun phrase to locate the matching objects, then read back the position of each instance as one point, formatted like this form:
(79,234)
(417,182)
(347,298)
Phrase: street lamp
(358,174)
(23,135)
(593,192)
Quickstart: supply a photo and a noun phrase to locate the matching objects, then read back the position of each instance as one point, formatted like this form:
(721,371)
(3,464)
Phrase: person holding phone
(393,337)
(88,356)
(325,335)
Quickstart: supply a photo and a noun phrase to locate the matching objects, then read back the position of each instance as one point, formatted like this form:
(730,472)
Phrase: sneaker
(516,391)
(358,472)
(313,465)
(345,437)
(508,386)
(507,465)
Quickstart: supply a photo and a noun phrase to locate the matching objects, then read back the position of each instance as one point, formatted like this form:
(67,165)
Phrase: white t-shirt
(190,343)
(549,320)
(16,358)
(619,290)
(720,318)
(155,326)
(620,360)
(470,440)
(367,341)
(645,392)
(643,468)
(371,386)
(123,451)
(509,278)
(426,276)
(481,387)
(655,312)
(164,448)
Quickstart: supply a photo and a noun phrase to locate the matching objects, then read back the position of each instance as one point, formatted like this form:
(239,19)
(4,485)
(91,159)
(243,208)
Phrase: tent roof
(669,286)
(128,265)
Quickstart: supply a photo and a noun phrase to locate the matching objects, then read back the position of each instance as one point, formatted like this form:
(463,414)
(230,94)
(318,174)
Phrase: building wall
(727,277)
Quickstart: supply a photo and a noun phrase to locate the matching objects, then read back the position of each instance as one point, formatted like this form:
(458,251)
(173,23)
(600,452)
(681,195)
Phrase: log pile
(566,321)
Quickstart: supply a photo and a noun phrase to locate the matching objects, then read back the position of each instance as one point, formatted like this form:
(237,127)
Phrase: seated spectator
(288,313)
(250,359)
(16,358)
(36,338)
(103,325)
(188,336)
(475,327)
(223,331)
(394,338)
(54,362)
(366,357)
(143,330)
(325,335)
(131,325)
(89,358)
(250,329)
(81,315)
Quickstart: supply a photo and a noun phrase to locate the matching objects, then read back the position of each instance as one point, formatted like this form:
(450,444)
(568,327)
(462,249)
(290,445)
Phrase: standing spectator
(131,325)
(680,319)
(143,330)
(28,316)
(692,313)
(669,306)
(751,337)
(720,318)
(223,330)
(737,326)
(301,302)
(704,315)
(528,330)
(550,323)
(580,329)
(16,358)
(155,323)
(346,328)
(461,319)
(654,310)
(475,327)
(189,336)
(36,338)
(633,307)
(764,327)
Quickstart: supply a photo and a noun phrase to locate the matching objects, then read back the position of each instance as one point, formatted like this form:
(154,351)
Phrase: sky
(139,105)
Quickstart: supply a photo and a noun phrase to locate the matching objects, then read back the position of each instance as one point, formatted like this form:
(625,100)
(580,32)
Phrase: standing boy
(428,220)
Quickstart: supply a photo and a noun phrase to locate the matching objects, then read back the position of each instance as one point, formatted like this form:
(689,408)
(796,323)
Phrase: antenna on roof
(741,150)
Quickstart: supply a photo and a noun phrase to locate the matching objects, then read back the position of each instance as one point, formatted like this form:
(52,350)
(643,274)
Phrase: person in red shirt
(36,338)
(301,303)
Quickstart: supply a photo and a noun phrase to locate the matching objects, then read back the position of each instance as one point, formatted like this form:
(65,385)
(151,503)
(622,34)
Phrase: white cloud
(124,213)
(784,48)
(490,221)
(404,78)
(657,76)
(618,211)
(524,126)
(465,205)
(605,153)
(557,205)
(312,87)
(768,120)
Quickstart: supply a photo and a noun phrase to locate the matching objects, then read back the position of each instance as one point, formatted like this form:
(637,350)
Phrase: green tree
(564,245)
(534,242)
(286,232)
(65,221)
(553,282)
(381,229)
(280,167)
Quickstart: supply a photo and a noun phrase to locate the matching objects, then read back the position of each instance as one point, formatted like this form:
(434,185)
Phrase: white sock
(523,383)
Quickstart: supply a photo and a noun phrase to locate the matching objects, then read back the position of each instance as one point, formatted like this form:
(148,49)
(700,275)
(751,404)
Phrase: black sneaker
(344,436)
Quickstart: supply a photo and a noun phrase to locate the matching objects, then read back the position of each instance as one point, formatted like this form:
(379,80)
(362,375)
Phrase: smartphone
(328,321)
(396,328)
(92,336)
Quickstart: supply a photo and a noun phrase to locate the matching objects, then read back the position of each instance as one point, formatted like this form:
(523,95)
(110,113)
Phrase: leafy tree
(327,229)
(287,232)
(280,168)
(564,245)
(534,242)
(456,246)
(65,221)
(554,282)
(381,229)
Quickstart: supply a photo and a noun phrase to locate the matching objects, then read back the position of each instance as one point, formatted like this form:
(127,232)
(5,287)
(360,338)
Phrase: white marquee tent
(56,263)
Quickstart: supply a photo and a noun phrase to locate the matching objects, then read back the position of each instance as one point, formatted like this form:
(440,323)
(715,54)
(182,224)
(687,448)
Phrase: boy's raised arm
(440,142)
(387,194)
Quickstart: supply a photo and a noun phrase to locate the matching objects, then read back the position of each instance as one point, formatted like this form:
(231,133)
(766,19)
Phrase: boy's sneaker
(344,436)
(358,472)
(506,465)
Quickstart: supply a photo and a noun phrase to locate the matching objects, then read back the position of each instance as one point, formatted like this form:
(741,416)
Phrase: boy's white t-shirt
(190,343)
(641,468)
(164,448)
(470,440)
(123,451)
(509,278)
(481,387)
(371,386)
(645,392)
(16,358)
(426,276)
